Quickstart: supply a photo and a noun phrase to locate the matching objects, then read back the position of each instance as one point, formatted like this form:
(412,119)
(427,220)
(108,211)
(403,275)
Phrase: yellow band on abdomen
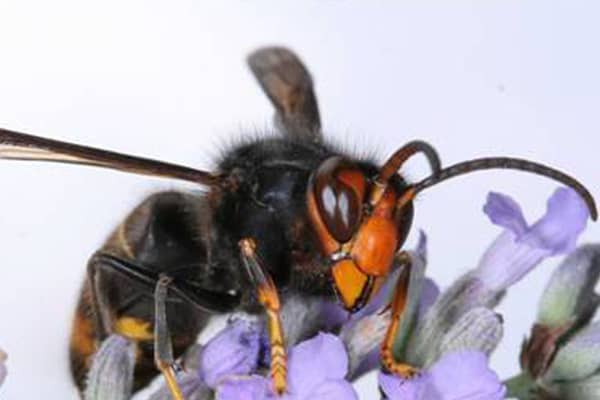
(134,328)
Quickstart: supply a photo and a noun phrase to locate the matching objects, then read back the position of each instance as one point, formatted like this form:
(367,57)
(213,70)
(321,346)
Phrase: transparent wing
(20,146)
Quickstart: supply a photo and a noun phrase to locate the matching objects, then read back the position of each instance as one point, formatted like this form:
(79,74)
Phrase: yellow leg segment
(268,297)
(169,374)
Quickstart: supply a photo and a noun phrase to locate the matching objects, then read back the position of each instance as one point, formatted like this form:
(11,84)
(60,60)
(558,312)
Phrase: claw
(404,371)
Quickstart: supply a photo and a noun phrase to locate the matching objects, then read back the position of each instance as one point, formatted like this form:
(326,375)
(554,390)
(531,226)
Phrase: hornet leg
(398,305)
(163,350)
(268,297)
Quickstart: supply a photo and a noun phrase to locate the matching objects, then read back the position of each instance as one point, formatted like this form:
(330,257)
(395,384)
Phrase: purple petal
(429,294)
(456,376)
(566,217)
(333,390)
(396,388)
(333,315)
(421,250)
(316,370)
(507,261)
(505,212)
(243,388)
(464,375)
(314,362)
(513,254)
(234,351)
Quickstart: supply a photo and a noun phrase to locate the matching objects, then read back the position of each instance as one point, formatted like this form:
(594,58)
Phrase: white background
(167,80)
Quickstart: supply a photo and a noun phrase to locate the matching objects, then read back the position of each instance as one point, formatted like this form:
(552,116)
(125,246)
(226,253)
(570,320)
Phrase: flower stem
(521,386)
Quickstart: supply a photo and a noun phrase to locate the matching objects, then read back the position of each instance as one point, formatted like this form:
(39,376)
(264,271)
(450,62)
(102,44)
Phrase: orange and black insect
(280,215)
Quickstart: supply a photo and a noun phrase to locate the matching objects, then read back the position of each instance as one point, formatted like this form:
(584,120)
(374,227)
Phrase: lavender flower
(235,351)
(461,323)
(449,336)
(111,374)
(316,370)
(514,253)
(521,247)
(457,375)
(561,358)
(232,365)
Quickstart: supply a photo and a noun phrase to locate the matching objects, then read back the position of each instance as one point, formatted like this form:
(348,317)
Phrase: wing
(20,146)
(289,86)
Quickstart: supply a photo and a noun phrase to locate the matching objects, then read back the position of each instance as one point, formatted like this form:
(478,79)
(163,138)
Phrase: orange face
(359,227)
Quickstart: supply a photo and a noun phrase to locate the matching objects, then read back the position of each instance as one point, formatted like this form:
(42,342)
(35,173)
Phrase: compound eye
(339,193)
